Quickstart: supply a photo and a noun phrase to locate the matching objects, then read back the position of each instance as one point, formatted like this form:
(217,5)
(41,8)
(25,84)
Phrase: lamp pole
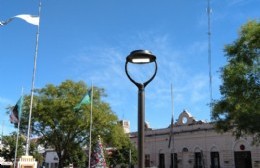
(141,57)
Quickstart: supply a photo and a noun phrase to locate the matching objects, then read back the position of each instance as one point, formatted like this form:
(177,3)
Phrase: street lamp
(141,57)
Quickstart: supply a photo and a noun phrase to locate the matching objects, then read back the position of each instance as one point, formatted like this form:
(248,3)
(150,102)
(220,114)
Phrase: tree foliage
(123,156)
(9,147)
(66,130)
(239,107)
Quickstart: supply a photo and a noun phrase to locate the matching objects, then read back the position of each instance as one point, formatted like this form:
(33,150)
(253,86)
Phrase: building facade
(51,159)
(196,144)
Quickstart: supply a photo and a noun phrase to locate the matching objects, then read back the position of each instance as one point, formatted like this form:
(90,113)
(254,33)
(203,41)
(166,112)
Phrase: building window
(214,159)
(242,147)
(147,161)
(53,165)
(243,159)
(126,123)
(161,160)
(198,160)
(185,150)
(174,160)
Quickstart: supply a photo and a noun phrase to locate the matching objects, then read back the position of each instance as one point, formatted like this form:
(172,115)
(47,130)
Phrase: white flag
(34,20)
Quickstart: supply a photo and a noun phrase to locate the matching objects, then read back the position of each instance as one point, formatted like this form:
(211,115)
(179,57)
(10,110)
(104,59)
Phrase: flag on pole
(16,111)
(85,100)
(98,157)
(34,20)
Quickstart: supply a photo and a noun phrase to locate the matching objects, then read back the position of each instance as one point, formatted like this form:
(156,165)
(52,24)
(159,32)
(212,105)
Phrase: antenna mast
(1,139)
(209,52)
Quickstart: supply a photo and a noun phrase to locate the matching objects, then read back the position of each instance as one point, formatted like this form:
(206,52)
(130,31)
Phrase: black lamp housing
(140,57)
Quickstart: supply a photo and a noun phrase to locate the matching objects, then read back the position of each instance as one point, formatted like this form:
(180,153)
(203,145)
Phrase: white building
(195,144)
(51,159)
(126,125)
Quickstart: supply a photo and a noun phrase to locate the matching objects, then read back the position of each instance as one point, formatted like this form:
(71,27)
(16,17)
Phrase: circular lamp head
(141,57)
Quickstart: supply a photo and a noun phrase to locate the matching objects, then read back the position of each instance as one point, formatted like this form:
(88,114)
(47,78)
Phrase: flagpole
(18,130)
(172,102)
(171,128)
(90,126)
(130,158)
(172,125)
(172,120)
(32,87)
(16,145)
(3,123)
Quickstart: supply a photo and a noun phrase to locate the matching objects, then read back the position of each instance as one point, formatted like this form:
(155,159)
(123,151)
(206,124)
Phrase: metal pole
(16,144)
(136,57)
(130,158)
(209,55)
(141,116)
(90,126)
(32,89)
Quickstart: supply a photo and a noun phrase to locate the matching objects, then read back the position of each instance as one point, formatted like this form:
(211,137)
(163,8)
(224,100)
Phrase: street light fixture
(141,57)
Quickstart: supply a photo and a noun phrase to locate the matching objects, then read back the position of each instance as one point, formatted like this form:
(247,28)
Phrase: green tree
(238,109)
(9,146)
(122,156)
(65,129)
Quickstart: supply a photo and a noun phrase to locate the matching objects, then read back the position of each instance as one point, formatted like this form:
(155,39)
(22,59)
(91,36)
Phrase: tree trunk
(61,160)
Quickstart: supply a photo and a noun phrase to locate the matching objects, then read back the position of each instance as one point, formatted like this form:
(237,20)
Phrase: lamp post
(141,57)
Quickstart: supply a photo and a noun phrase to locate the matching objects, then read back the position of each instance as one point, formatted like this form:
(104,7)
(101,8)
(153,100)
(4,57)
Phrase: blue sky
(89,40)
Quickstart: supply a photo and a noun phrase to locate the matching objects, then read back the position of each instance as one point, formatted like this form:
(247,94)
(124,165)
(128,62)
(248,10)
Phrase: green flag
(85,100)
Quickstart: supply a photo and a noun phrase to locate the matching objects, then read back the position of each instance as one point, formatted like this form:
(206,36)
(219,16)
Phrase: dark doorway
(174,160)
(214,160)
(161,161)
(147,161)
(198,160)
(243,159)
